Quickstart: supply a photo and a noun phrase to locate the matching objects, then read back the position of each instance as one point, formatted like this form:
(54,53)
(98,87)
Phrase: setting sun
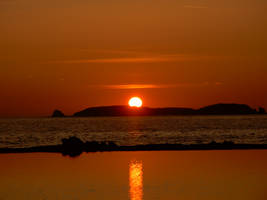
(135,102)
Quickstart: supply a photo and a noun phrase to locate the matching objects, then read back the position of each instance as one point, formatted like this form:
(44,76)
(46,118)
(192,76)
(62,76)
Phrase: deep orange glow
(136,180)
(61,62)
(135,102)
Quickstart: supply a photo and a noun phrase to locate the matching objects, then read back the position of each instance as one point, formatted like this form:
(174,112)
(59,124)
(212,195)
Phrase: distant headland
(121,110)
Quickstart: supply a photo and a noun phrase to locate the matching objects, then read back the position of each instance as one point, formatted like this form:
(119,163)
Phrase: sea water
(26,132)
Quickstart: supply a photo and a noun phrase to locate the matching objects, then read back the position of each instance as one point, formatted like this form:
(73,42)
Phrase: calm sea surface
(164,175)
(26,132)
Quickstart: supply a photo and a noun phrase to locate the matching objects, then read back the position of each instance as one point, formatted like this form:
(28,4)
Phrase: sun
(135,102)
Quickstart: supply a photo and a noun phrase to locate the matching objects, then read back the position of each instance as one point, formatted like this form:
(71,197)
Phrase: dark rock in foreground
(73,146)
(58,113)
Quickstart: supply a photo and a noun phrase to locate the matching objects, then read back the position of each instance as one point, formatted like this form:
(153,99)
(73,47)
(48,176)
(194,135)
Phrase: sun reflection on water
(136,180)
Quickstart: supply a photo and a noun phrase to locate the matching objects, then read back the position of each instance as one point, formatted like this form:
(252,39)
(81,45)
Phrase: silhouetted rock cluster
(73,146)
(58,113)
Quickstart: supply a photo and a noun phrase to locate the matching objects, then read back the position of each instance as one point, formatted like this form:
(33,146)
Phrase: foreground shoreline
(108,147)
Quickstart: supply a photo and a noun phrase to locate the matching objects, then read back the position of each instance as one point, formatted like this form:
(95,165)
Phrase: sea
(28,132)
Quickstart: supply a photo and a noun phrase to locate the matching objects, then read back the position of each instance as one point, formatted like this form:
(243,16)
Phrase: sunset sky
(71,55)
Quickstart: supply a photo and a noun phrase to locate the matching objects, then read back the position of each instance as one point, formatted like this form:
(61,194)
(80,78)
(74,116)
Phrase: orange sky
(75,54)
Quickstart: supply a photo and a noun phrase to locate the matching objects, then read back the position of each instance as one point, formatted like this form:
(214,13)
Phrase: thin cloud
(131,86)
(218,83)
(149,59)
(110,51)
(151,86)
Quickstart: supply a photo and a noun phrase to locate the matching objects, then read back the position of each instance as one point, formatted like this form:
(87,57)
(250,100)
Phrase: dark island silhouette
(216,109)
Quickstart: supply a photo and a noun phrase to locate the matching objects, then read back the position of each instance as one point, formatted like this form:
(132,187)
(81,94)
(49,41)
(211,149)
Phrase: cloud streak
(152,86)
(148,59)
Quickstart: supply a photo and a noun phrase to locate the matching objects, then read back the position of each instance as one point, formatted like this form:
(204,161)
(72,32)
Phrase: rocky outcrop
(261,110)
(58,113)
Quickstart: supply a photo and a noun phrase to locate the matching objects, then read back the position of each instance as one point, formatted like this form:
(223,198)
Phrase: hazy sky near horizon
(71,55)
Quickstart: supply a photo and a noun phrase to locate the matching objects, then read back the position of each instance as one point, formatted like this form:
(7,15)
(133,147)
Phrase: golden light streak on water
(136,180)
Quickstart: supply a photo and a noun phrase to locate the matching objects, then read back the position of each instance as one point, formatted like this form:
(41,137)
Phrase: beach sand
(166,175)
